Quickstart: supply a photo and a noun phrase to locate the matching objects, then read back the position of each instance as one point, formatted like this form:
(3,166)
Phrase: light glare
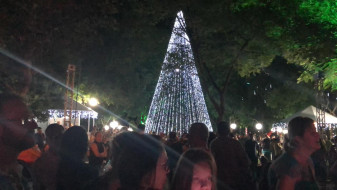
(93,102)
(106,127)
(233,126)
(114,124)
(279,129)
(258,126)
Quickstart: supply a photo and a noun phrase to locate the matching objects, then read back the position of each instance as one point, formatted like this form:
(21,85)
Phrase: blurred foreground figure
(139,162)
(73,173)
(196,170)
(97,152)
(231,160)
(45,168)
(294,169)
(198,136)
(16,135)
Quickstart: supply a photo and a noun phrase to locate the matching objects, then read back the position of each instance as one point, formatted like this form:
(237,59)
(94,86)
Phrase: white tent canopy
(312,113)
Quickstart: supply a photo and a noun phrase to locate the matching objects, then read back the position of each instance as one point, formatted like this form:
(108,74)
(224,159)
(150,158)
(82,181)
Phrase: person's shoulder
(286,165)
(234,141)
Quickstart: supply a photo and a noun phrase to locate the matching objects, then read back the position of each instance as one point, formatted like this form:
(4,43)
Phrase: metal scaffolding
(68,105)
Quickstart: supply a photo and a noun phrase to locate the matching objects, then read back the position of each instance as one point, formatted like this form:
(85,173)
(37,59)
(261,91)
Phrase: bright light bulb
(130,129)
(93,102)
(114,124)
(106,127)
(258,126)
(233,126)
(119,127)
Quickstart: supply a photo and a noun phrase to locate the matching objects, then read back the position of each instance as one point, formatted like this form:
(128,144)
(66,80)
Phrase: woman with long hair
(195,170)
(138,162)
(294,169)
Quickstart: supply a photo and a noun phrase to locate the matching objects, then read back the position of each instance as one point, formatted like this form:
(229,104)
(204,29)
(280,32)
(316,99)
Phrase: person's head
(172,135)
(263,160)
(195,170)
(16,131)
(198,135)
(74,143)
(223,128)
(251,136)
(98,137)
(54,134)
(141,163)
(39,130)
(302,134)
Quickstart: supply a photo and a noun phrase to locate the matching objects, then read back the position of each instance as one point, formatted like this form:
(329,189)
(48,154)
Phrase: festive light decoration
(83,114)
(178,100)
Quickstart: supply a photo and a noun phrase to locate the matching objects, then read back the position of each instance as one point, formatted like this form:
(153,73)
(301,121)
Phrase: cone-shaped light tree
(178,100)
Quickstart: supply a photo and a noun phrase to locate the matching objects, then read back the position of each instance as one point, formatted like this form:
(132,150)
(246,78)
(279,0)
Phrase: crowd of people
(196,160)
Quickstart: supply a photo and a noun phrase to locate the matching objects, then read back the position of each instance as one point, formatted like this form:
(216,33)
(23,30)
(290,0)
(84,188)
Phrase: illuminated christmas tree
(178,100)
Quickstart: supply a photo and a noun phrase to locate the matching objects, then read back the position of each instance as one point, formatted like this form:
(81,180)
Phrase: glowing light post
(114,124)
(233,126)
(178,100)
(92,102)
(258,126)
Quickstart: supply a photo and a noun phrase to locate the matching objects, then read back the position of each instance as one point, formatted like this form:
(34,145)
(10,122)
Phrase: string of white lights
(178,100)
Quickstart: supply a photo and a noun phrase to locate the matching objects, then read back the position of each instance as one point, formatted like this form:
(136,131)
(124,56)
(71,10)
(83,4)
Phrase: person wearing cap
(16,135)
(294,169)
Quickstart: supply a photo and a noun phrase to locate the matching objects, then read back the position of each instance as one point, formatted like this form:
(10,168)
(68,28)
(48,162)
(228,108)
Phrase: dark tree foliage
(118,47)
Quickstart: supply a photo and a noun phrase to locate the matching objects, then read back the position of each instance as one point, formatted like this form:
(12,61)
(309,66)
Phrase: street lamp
(106,127)
(258,126)
(114,124)
(233,126)
(93,102)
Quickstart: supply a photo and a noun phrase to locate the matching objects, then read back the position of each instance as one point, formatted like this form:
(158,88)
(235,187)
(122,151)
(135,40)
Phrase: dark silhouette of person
(266,148)
(138,162)
(198,136)
(251,148)
(98,152)
(73,173)
(231,160)
(263,173)
(40,138)
(45,168)
(16,135)
(174,149)
(211,137)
